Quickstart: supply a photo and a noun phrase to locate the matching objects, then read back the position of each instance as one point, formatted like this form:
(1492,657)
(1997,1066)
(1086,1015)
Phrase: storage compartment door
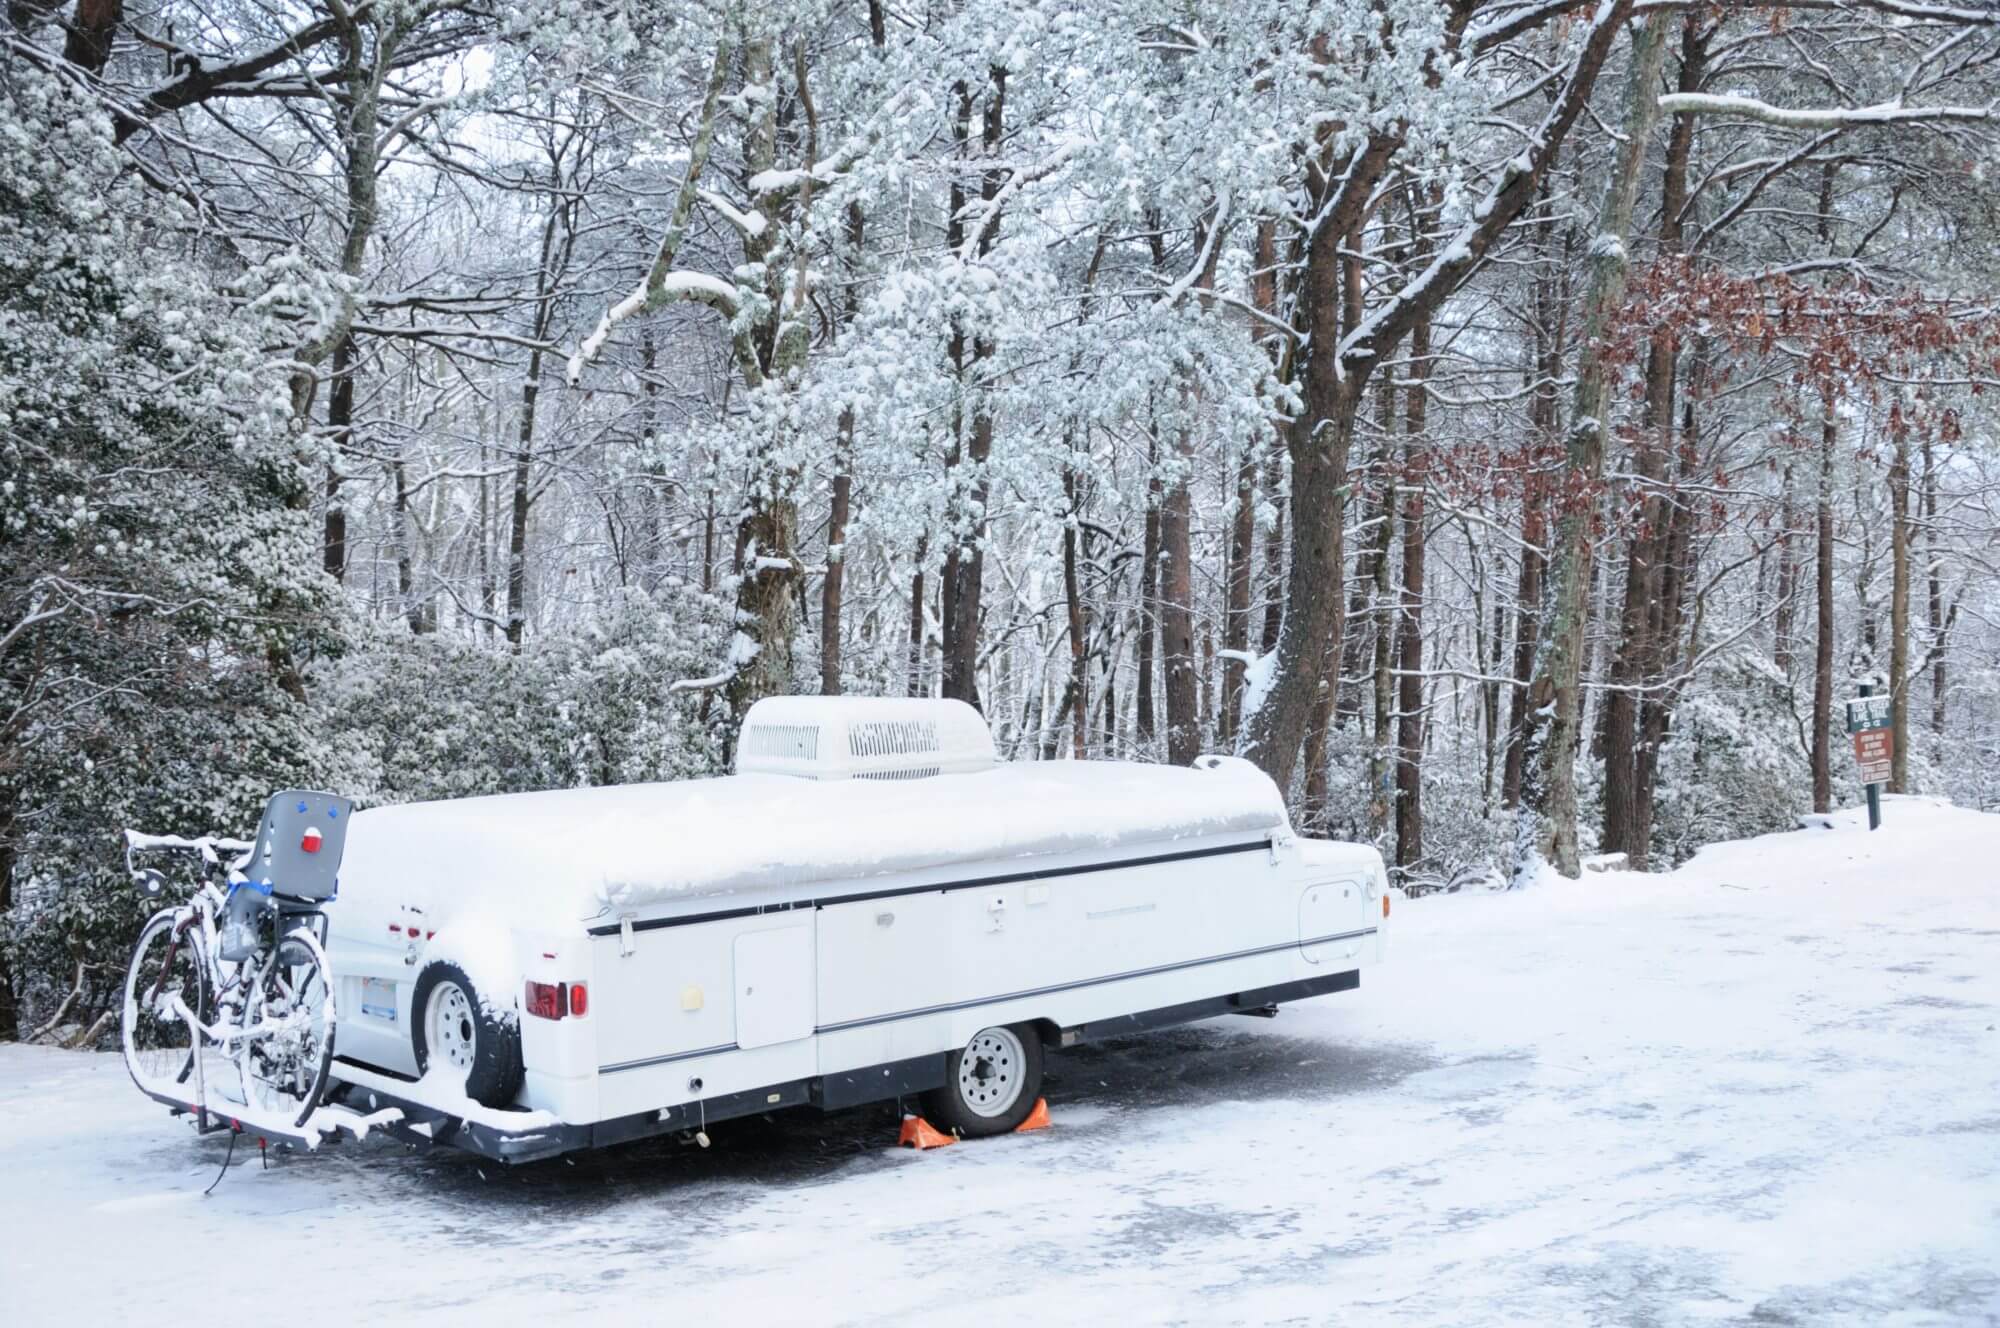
(774,986)
(1329,909)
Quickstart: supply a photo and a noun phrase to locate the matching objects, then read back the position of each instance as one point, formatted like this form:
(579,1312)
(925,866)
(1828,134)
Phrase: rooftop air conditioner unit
(855,737)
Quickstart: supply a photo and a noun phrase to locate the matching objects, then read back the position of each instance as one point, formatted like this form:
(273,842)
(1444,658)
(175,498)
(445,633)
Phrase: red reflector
(546,1000)
(579,999)
(310,841)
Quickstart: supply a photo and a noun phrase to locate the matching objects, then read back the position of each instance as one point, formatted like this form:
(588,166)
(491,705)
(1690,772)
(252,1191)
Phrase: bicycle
(238,973)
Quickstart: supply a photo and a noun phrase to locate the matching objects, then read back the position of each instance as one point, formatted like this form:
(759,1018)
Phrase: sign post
(1869,720)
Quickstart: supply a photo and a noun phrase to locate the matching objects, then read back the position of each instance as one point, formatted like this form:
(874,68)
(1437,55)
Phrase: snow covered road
(1765,1089)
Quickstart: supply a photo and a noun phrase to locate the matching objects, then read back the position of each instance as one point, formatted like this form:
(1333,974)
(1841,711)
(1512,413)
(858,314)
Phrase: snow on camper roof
(552,859)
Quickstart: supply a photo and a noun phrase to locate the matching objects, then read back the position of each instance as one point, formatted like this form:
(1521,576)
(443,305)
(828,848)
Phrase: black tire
(486,1047)
(990,1085)
(159,1051)
(287,1073)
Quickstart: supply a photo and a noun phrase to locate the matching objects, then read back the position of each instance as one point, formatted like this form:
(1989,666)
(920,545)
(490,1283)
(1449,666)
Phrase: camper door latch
(626,946)
(996,913)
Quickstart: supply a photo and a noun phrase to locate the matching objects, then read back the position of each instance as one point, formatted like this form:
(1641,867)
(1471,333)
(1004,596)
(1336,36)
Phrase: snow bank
(548,860)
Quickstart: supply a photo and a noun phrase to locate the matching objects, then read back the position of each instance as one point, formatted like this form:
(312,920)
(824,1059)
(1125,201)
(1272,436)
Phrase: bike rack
(328,1118)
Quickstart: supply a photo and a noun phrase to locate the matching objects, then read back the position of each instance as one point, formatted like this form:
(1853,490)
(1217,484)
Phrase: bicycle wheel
(284,1067)
(163,981)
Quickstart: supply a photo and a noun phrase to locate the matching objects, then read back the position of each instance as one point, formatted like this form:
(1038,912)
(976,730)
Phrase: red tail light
(547,1000)
(579,999)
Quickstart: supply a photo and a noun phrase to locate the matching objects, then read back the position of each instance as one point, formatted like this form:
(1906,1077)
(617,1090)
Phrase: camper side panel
(703,1009)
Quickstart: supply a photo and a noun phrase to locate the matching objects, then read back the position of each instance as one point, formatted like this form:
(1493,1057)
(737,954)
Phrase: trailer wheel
(991,1085)
(450,1022)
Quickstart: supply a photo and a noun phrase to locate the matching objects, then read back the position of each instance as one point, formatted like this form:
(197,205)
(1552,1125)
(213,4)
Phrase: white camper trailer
(871,907)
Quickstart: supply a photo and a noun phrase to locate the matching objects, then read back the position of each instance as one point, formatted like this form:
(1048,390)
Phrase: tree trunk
(1646,549)
(965,569)
(1316,806)
(1300,707)
(1274,553)
(836,564)
(1264,294)
(1822,712)
(769,593)
(1382,624)
(1177,612)
(949,575)
(1079,660)
(1663,657)
(1315,584)
(517,531)
(1149,594)
(767,600)
(91,32)
(916,639)
(1410,646)
(1544,417)
(1527,638)
(834,584)
(10,1007)
(1367,604)
(406,579)
(1785,613)
(1934,593)
(1559,684)
(488,591)
(1236,614)
(708,544)
(340,434)
(1899,614)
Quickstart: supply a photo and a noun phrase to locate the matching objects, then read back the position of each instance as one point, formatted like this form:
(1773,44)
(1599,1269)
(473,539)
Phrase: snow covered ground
(1765,1089)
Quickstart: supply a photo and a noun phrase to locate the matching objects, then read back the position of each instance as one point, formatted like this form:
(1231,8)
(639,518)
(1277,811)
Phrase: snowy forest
(1516,425)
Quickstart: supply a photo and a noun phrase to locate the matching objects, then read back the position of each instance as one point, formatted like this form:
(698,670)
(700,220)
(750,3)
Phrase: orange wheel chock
(1038,1119)
(920,1133)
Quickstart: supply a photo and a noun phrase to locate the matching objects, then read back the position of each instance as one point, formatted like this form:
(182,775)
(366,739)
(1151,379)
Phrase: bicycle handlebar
(209,847)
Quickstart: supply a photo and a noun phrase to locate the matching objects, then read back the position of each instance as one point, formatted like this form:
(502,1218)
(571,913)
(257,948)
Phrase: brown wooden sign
(1873,751)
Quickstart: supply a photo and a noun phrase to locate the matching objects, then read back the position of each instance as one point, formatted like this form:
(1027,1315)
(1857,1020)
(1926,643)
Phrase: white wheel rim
(450,1032)
(294,1004)
(153,1014)
(990,1071)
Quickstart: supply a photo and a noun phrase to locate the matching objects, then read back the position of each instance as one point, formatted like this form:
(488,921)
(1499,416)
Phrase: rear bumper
(504,1136)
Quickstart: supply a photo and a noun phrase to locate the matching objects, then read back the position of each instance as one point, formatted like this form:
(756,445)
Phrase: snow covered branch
(1048,166)
(1508,197)
(750,224)
(1829,117)
(662,282)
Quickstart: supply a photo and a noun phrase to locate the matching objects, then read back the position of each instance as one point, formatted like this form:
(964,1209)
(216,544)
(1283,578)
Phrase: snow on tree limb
(749,223)
(662,282)
(1829,117)
(991,212)
(1936,13)
(1508,197)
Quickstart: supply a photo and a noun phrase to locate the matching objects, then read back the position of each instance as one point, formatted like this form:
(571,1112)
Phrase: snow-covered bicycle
(228,1004)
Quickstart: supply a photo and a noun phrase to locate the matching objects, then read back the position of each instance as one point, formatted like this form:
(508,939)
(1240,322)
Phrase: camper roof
(552,859)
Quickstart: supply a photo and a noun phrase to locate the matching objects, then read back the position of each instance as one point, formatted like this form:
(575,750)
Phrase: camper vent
(892,737)
(792,742)
(880,738)
(911,772)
